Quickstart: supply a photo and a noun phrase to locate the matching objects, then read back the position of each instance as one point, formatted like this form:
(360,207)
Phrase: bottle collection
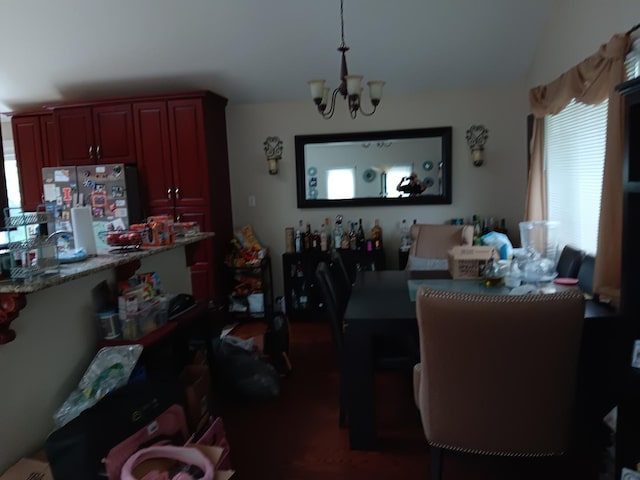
(341,236)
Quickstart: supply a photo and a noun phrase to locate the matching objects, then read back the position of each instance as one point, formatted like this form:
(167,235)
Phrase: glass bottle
(353,236)
(315,241)
(376,235)
(337,233)
(360,236)
(324,237)
(405,242)
(298,239)
(303,295)
(307,238)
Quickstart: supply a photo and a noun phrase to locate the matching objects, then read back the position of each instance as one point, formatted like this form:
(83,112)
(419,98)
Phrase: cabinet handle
(177,193)
(91,152)
(98,152)
(169,193)
(179,218)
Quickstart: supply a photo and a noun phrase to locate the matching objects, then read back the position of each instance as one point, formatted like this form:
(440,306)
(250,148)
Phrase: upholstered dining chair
(569,262)
(497,373)
(341,281)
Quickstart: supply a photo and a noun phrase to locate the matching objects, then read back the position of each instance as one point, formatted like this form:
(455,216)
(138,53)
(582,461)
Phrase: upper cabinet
(94,135)
(35,143)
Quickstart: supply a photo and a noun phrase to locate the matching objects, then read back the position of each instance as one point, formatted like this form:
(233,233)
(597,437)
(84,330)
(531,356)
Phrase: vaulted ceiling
(255,51)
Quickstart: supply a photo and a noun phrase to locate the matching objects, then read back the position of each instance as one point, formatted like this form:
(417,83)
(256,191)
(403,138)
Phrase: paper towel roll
(82,223)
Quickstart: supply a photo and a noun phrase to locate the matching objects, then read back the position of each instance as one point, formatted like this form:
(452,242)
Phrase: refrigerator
(111,191)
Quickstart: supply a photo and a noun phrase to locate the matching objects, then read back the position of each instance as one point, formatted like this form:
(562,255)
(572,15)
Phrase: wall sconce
(273,151)
(476,137)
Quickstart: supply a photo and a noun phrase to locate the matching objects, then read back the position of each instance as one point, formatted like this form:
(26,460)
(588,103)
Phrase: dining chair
(497,373)
(392,352)
(569,262)
(585,274)
(335,318)
(341,281)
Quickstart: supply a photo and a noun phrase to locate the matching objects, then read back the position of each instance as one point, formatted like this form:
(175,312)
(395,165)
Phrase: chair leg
(435,460)
(343,404)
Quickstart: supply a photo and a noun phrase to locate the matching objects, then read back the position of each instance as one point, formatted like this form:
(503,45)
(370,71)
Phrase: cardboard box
(28,469)
(466,262)
(197,384)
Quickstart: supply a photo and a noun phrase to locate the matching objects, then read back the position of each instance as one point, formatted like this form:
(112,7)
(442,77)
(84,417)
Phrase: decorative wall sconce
(273,151)
(477,136)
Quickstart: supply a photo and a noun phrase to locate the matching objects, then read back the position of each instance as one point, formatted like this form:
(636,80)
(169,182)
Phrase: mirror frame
(445,133)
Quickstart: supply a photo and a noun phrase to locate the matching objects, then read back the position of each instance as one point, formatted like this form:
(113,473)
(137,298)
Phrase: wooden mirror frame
(444,133)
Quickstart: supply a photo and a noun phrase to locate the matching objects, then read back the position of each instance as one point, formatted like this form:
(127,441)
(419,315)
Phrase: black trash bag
(241,372)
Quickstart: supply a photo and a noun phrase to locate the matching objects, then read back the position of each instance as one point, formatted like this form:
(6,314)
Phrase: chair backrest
(569,262)
(334,316)
(585,274)
(433,242)
(341,281)
(498,371)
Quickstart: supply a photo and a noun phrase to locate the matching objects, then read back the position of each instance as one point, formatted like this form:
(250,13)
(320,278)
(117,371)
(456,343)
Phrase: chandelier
(350,87)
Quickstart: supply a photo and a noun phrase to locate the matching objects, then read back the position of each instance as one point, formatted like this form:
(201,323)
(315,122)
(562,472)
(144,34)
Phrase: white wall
(576,30)
(496,189)
(56,340)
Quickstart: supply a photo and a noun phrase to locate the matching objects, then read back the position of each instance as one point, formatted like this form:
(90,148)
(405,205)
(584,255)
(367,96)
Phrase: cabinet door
(27,139)
(75,136)
(114,140)
(50,150)
(153,154)
(188,152)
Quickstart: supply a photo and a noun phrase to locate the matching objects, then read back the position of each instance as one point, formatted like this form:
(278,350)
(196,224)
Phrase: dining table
(382,303)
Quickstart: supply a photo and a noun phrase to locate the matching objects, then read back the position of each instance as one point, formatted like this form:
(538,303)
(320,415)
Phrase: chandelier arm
(363,112)
(332,107)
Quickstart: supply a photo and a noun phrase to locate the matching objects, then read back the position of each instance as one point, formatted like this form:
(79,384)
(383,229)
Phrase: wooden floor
(297,437)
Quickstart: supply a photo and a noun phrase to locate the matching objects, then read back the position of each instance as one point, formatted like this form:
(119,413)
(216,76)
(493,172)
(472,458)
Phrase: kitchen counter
(103,261)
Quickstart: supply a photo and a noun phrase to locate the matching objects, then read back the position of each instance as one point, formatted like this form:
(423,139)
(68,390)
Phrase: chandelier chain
(342,45)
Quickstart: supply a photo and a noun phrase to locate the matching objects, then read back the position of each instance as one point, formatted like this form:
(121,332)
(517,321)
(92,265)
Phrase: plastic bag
(500,242)
(242,372)
(109,370)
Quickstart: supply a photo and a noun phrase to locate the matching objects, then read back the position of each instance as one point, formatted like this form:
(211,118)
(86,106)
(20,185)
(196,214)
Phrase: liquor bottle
(299,238)
(315,241)
(324,246)
(344,241)
(307,238)
(360,236)
(353,236)
(405,242)
(337,233)
(376,235)
(303,295)
(327,228)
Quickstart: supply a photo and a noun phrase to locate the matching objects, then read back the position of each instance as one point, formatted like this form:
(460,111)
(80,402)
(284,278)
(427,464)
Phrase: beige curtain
(590,82)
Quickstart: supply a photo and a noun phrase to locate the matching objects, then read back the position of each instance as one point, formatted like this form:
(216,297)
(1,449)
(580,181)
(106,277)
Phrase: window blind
(575,141)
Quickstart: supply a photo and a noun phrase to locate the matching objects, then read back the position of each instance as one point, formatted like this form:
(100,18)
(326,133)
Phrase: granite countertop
(103,261)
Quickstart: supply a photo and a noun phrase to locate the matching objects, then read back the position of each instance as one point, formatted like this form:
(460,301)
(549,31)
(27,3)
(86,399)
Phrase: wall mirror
(394,167)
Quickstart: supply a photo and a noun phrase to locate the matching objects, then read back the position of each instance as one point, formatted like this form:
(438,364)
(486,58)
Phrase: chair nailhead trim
(488,452)
(501,298)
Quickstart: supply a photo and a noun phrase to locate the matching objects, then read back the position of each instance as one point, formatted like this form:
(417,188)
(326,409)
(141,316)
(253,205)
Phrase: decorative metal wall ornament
(273,151)
(349,86)
(477,136)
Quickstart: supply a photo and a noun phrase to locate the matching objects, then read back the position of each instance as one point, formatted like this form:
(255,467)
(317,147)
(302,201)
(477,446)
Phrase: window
(340,183)
(12,185)
(575,141)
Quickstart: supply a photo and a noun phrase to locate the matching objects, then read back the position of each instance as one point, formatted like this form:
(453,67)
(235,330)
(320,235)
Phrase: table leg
(360,388)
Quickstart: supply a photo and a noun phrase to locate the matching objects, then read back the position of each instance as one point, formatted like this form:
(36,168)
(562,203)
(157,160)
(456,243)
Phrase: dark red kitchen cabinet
(93,135)
(75,136)
(153,154)
(188,152)
(50,149)
(32,147)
